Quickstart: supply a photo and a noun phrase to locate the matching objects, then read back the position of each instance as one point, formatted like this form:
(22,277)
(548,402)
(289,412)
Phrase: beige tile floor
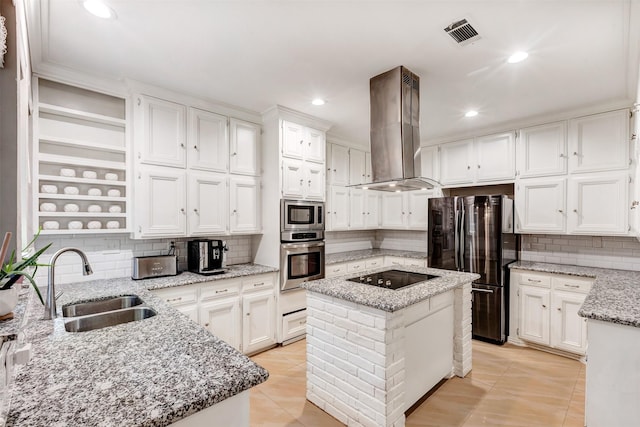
(508,386)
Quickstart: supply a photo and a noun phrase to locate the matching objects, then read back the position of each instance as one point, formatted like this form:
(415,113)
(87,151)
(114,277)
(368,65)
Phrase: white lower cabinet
(240,312)
(222,318)
(258,320)
(294,325)
(548,307)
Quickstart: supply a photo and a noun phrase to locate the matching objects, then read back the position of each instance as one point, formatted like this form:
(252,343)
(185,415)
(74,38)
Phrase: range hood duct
(395,132)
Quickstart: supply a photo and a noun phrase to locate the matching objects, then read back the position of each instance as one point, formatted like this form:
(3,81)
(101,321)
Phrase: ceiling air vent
(462,32)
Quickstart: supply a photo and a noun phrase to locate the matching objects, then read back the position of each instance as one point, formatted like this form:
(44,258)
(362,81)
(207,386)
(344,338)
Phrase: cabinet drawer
(373,262)
(529,279)
(414,262)
(354,266)
(572,284)
(441,300)
(257,283)
(179,295)
(393,261)
(335,270)
(294,325)
(221,288)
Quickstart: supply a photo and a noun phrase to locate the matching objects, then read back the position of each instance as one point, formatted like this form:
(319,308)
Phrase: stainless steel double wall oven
(301,242)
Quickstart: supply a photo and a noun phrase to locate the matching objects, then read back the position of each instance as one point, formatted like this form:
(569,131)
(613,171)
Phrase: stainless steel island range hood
(395,132)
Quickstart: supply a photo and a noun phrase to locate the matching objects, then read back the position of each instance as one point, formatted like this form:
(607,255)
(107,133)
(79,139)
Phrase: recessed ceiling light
(471,113)
(517,57)
(318,101)
(99,9)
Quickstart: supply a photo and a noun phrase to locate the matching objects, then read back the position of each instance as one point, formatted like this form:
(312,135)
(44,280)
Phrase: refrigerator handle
(456,237)
(461,238)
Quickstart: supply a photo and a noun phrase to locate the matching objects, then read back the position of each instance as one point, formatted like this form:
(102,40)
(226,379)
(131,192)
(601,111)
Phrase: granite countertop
(151,372)
(614,296)
(387,299)
(338,257)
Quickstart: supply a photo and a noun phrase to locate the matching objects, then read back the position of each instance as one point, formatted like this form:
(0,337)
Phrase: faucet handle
(58,294)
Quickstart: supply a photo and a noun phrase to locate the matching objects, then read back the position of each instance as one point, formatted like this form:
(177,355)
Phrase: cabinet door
(315,183)
(258,321)
(393,213)
(430,162)
(339,165)
(294,325)
(534,314)
(292,178)
(417,208)
(568,330)
(162,131)
(456,161)
(222,318)
(245,147)
(339,208)
(314,145)
(542,150)
(367,167)
(189,310)
(372,208)
(292,140)
(599,142)
(495,156)
(245,205)
(208,210)
(598,203)
(357,210)
(161,210)
(540,205)
(208,145)
(357,172)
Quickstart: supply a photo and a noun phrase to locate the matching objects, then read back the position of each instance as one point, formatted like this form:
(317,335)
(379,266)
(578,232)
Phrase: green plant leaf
(33,283)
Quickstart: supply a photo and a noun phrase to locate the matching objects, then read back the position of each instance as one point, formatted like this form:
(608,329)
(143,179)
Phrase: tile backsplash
(592,251)
(344,241)
(110,256)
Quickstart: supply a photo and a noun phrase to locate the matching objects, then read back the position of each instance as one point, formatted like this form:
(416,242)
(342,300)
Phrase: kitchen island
(158,371)
(373,352)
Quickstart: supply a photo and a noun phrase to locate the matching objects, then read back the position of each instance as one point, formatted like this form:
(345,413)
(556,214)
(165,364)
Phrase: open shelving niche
(85,131)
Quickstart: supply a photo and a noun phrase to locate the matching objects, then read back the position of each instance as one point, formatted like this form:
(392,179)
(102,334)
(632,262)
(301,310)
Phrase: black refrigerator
(475,234)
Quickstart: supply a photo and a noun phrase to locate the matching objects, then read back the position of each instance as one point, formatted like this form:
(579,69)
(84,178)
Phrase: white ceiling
(255,54)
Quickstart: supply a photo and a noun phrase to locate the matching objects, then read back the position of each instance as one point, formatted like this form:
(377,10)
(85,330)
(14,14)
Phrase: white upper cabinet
(161,207)
(338,208)
(357,208)
(430,162)
(357,167)
(599,142)
(542,150)
(292,178)
(314,182)
(244,201)
(245,148)
(456,161)
(540,205)
(301,142)
(483,159)
(160,131)
(417,202)
(495,157)
(208,141)
(372,209)
(598,204)
(208,212)
(338,168)
(393,212)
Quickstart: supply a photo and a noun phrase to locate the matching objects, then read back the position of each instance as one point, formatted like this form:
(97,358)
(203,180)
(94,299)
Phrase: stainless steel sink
(110,318)
(101,306)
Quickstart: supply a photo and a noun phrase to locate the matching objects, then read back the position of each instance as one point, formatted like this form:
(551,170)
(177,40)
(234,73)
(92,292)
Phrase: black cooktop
(393,279)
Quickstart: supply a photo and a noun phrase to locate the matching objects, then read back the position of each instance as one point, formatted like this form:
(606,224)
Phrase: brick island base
(364,364)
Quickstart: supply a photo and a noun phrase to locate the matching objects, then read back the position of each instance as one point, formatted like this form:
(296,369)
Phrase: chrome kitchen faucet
(50,305)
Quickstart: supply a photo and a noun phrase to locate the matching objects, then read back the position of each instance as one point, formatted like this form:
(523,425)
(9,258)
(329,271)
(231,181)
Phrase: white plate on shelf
(94,208)
(74,225)
(71,190)
(89,174)
(71,207)
(67,172)
(50,225)
(115,209)
(112,225)
(48,207)
(49,189)
(111,176)
(94,192)
(94,225)
(113,192)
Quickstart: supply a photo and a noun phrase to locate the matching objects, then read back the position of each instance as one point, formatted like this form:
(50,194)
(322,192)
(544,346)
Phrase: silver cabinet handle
(301,141)
(182,210)
(570,286)
(575,153)
(534,280)
(233,154)
(182,145)
(195,210)
(544,306)
(195,147)
(561,154)
(222,291)
(478,166)
(255,285)
(575,210)
(468,167)
(560,210)
(559,309)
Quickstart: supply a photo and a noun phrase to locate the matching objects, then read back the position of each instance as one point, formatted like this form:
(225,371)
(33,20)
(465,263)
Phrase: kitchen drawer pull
(206,325)
(174,299)
(570,286)
(486,291)
(302,322)
(534,280)
(222,291)
(255,285)
(544,306)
